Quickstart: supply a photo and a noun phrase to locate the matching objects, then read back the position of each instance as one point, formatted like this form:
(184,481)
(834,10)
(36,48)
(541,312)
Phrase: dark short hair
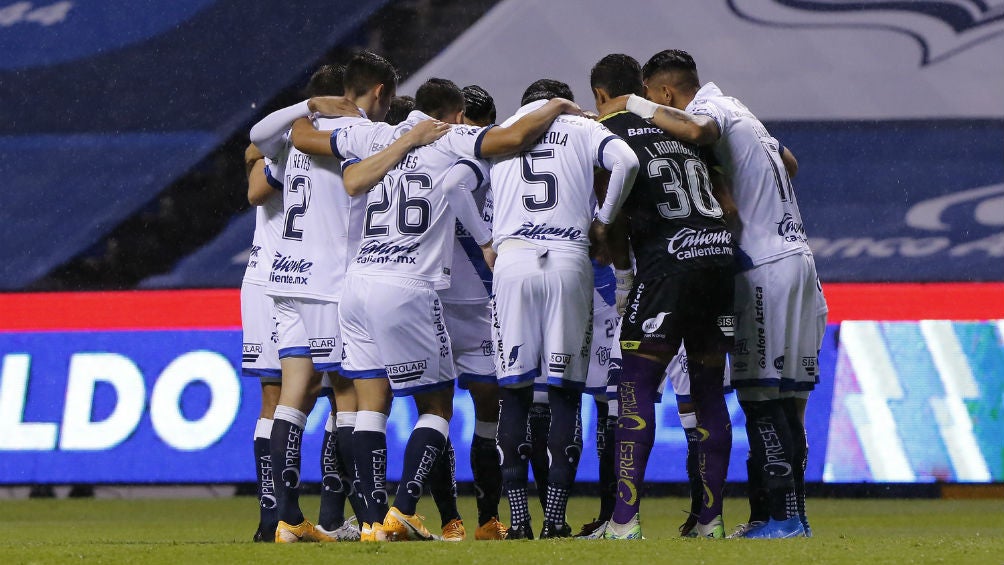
(367,70)
(675,61)
(439,97)
(617,74)
(400,107)
(328,80)
(478,104)
(545,89)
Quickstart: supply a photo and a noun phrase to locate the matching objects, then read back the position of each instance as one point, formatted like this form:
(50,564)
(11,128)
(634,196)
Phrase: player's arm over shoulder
(699,128)
(503,141)
(359,176)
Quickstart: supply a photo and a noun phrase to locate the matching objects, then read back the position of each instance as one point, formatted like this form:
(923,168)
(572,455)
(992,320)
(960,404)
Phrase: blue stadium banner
(146,388)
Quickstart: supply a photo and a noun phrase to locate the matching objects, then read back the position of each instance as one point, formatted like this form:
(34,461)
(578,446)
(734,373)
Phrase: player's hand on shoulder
(427,131)
(591,115)
(332,106)
(619,104)
(567,106)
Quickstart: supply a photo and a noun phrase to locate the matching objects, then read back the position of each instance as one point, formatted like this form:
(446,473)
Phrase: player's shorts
(679,377)
(541,315)
(393,328)
(601,351)
(260,353)
(309,328)
(694,307)
(470,328)
(780,321)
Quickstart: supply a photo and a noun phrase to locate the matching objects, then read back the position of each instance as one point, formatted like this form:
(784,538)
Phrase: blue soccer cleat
(777,529)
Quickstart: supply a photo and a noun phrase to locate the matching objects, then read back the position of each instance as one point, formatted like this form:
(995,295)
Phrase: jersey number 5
(547,178)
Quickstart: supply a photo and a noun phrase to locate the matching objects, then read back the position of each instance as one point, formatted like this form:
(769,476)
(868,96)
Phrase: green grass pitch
(200,531)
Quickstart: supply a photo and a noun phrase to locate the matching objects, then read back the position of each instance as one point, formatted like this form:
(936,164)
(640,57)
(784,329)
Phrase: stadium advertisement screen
(145,387)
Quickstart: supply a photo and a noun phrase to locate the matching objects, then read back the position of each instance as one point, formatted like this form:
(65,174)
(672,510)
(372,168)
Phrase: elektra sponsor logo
(941,27)
(965,239)
(689,243)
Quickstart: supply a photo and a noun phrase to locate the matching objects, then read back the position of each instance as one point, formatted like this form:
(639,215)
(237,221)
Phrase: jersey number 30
(692,184)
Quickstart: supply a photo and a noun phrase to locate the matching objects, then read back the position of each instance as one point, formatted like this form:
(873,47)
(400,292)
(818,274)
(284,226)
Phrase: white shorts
(260,351)
(393,328)
(604,329)
(309,328)
(470,327)
(542,312)
(780,321)
(678,375)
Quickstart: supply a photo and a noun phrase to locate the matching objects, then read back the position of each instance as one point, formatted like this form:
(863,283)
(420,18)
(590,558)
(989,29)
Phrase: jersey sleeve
(353,141)
(271,133)
(705,107)
(274,172)
(623,166)
(459,184)
(600,136)
(465,141)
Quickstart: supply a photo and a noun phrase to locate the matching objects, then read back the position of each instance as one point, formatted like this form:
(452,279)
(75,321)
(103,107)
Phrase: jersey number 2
(300,185)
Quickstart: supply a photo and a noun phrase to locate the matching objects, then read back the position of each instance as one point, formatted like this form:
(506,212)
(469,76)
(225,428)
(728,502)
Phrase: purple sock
(636,392)
(715,446)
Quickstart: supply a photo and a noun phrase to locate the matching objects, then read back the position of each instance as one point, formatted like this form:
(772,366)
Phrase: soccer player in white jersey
(544,206)
(779,302)
(261,337)
(260,356)
(391,316)
(467,312)
(319,237)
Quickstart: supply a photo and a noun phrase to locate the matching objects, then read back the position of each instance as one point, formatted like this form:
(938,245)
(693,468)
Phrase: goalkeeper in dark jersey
(681,291)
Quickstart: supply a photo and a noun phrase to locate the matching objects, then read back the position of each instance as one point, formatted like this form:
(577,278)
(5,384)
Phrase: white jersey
(469,280)
(751,159)
(409,223)
(545,194)
(267,226)
(321,226)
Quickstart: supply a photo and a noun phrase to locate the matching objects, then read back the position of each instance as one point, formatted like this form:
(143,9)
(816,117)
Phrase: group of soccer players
(396,254)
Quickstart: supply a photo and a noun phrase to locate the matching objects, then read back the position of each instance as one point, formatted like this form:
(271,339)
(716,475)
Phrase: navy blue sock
(770,447)
(370,449)
(267,510)
(564,445)
(285,450)
(515,449)
(425,446)
(333,491)
(605,426)
(756,491)
(537,426)
(442,483)
(487,470)
(800,451)
(347,470)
